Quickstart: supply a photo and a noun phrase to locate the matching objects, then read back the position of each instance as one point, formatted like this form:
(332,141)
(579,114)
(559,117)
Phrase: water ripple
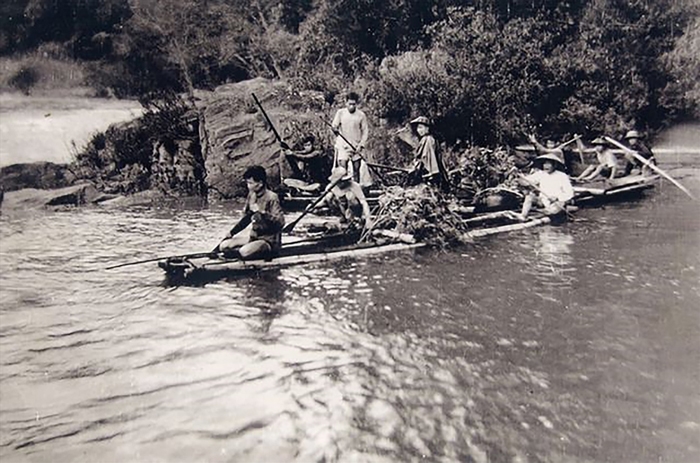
(552,345)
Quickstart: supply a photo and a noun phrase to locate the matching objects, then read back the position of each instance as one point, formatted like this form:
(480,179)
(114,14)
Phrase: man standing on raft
(352,130)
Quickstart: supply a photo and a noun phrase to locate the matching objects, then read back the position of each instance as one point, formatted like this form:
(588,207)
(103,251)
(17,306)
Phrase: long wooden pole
(340,134)
(384,166)
(282,143)
(183,256)
(289,227)
(569,142)
(650,165)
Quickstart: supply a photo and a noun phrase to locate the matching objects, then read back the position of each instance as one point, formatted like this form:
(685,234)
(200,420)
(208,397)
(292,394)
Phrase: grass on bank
(40,74)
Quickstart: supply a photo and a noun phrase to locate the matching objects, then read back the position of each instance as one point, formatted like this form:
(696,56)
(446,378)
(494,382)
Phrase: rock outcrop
(32,198)
(239,136)
(42,175)
(163,151)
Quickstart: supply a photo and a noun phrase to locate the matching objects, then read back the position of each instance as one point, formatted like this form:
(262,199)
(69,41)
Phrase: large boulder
(32,198)
(239,135)
(39,175)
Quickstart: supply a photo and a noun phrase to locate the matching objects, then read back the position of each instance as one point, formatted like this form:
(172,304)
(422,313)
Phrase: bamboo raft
(299,251)
(611,190)
(323,250)
(213,268)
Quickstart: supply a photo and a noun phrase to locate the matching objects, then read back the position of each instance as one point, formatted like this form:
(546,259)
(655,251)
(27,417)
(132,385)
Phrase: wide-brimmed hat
(632,134)
(599,141)
(421,120)
(339,174)
(549,157)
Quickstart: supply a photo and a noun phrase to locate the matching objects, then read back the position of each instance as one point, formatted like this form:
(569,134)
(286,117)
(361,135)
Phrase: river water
(575,343)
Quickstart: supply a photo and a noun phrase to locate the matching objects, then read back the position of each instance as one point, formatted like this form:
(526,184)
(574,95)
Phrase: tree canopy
(485,70)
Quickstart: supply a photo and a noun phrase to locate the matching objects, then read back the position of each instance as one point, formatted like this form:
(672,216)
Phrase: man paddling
(553,187)
(606,163)
(635,143)
(308,163)
(550,147)
(263,210)
(346,196)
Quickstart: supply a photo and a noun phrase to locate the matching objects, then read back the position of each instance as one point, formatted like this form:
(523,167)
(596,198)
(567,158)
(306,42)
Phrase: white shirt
(353,126)
(555,185)
(607,158)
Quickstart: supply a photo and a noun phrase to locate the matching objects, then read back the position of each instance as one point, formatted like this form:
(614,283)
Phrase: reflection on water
(553,265)
(571,343)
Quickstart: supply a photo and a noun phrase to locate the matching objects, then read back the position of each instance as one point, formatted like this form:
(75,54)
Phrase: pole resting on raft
(646,162)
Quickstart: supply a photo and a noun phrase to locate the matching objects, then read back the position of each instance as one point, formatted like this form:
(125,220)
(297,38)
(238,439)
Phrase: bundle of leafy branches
(422,211)
(479,169)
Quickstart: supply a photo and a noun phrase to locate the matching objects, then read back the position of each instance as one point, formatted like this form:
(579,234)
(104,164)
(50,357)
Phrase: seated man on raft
(552,187)
(308,163)
(264,212)
(606,163)
(550,147)
(634,142)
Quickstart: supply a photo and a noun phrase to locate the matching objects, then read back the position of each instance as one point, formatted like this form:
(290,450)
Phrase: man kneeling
(263,210)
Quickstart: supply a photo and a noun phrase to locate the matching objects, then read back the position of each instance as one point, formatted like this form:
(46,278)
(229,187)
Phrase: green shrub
(476,81)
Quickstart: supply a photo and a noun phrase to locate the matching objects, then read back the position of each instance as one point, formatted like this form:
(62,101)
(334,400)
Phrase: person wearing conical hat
(346,196)
(427,164)
(551,187)
(606,165)
(633,139)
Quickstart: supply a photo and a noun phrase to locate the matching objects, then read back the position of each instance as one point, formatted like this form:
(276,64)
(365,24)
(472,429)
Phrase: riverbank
(52,127)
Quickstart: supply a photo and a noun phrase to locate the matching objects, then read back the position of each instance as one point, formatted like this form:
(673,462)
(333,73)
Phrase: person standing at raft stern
(635,143)
(264,212)
(352,124)
(553,185)
(427,165)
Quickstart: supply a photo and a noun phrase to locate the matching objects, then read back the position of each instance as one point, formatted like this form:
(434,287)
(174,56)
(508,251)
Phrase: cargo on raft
(316,248)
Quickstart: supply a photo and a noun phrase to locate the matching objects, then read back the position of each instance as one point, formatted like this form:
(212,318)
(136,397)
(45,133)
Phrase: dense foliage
(486,71)
(124,159)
